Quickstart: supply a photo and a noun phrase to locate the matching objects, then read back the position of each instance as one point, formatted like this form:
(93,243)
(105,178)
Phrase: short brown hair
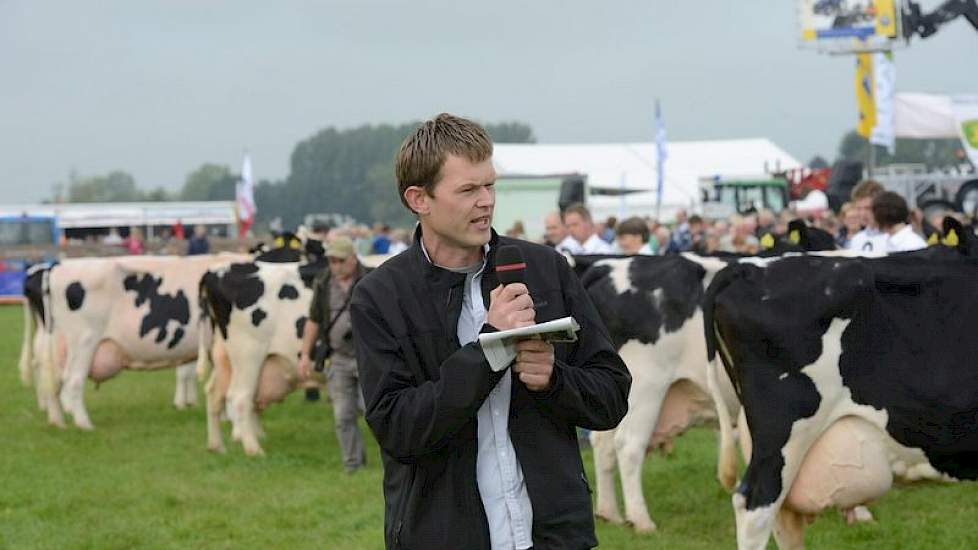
(890,209)
(579,209)
(866,188)
(633,226)
(423,152)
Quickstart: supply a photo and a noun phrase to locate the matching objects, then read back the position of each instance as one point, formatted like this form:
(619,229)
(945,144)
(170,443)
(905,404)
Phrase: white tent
(632,166)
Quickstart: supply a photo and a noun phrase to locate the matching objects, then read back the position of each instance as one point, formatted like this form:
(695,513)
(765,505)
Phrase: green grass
(142,479)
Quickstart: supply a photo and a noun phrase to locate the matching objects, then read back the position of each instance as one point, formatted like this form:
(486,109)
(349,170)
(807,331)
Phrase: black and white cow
(651,306)
(880,345)
(102,315)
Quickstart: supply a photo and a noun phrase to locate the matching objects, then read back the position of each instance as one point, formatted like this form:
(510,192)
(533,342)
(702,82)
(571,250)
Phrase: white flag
(245,193)
(883,132)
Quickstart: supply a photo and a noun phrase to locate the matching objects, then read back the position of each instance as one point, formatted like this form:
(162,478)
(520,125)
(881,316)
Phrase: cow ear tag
(951,239)
(767,241)
(279,242)
(295,244)
(794,237)
(932,240)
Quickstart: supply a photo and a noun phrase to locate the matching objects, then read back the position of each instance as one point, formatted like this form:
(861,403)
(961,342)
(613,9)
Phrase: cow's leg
(727,456)
(603,444)
(186,392)
(50,379)
(650,383)
(789,529)
(216,390)
(81,351)
(247,358)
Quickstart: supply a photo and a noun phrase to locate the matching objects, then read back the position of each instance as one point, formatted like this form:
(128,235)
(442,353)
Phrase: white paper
(500,347)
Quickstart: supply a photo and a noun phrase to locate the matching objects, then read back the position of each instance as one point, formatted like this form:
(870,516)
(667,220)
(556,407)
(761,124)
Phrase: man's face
(865,208)
(343,268)
(460,208)
(629,244)
(579,228)
(554,229)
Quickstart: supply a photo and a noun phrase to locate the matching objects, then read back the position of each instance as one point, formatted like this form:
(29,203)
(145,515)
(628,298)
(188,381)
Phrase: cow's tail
(48,378)
(205,341)
(27,346)
(714,338)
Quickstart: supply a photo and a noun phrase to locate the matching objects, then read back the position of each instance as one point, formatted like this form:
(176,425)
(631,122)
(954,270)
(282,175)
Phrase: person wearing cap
(329,320)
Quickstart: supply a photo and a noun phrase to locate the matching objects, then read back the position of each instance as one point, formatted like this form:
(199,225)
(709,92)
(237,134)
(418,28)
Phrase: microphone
(510,265)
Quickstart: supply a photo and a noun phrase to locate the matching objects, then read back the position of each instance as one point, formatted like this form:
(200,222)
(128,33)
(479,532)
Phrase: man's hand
(305,366)
(534,363)
(510,307)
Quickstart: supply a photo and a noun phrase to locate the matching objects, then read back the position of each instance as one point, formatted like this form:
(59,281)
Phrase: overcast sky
(157,88)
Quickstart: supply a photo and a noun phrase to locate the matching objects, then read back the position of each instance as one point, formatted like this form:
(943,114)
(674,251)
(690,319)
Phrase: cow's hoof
(859,514)
(614,519)
(255,452)
(218,449)
(644,528)
(85,425)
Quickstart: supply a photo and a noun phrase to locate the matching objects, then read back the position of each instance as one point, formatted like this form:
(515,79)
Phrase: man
(582,238)
(891,214)
(632,237)
(870,239)
(554,230)
(330,309)
(198,243)
(477,455)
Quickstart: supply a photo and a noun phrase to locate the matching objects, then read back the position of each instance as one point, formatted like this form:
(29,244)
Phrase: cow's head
(800,237)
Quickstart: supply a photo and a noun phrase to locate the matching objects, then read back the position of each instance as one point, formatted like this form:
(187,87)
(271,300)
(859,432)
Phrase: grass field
(142,479)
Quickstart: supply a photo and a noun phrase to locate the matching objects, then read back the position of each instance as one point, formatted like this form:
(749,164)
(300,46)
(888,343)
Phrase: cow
(102,315)
(874,349)
(651,307)
(254,315)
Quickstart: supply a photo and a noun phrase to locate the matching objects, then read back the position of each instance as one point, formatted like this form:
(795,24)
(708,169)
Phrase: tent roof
(633,165)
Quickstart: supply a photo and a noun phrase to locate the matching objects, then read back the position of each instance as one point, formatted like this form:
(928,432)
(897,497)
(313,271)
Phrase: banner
(865,102)
(660,158)
(244,193)
(965,109)
(884,73)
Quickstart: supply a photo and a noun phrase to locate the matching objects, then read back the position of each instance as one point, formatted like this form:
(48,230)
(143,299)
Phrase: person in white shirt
(582,238)
(870,239)
(891,214)
(632,237)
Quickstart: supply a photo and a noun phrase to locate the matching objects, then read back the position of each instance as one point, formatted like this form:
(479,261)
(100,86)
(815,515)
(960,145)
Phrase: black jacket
(422,393)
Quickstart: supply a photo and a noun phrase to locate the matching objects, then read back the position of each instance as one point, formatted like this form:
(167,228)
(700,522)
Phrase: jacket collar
(441,276)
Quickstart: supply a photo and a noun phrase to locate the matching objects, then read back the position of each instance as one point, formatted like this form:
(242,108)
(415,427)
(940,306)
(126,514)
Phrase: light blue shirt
(498,472)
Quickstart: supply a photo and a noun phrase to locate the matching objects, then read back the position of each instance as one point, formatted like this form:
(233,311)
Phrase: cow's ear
(767,241)
(933,239)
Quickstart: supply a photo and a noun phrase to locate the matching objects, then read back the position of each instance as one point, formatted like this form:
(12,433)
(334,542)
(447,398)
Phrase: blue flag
(660,157)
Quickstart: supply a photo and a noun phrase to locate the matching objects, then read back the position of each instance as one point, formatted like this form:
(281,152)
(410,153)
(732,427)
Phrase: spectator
(582,238)
(517,231)
(113,238)
(608,232)
(178,233)
(399,241)
(134,242)
(850,224)
(662,238)
(870,238)
(632,237)
(554,230)
(198,244)
(892,216)
(382,241)
(687,234)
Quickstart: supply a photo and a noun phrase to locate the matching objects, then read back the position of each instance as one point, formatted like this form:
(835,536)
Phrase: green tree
(117,186)
(209,182)
(351,172)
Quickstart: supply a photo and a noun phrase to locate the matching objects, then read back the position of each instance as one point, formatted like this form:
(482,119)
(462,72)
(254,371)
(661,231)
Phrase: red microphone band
(511,267)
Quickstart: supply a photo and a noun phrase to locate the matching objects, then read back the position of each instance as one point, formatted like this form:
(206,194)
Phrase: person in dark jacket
(477,455)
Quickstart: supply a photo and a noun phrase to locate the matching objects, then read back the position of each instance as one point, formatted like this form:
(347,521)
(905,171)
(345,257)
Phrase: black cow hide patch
(300,326)
(288,292)
(163,308)
(75,294)
(258,316)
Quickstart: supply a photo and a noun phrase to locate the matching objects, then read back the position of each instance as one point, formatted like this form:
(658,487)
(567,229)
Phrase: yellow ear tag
(767,241)
(794,237)
(294,244)
(279,242)
(933,239)
(951,239)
